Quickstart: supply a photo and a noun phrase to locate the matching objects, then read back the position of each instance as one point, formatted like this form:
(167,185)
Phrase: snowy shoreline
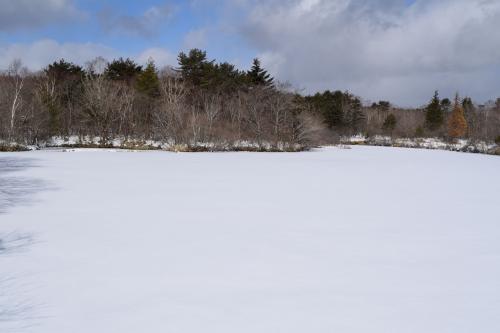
(462,145)
(76,142)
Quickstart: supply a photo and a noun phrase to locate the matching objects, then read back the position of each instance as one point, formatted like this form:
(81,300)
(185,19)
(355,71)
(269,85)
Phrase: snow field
(361,240)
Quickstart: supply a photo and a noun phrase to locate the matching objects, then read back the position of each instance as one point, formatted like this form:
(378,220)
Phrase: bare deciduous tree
(15,75)
(256,113)
(171,113)
(211,105)
(106,105)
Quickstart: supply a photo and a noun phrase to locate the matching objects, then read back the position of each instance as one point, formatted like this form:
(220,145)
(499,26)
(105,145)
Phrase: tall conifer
(259,76)
(148,82)
(434,115)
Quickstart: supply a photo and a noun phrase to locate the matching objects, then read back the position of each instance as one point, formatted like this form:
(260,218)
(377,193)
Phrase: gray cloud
(144,25)
(29,14)
(380,49)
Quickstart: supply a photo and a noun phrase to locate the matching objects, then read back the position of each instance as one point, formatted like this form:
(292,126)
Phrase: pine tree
(259,76)
(226,78)
(434,115)
(339,109)
(351,108)
(60,91)
(122,70)
(148,82)
(329,105)
(446,105)
(62,70)
(195,68)
(468,105)
(457,125)
(390,123)
(384,105)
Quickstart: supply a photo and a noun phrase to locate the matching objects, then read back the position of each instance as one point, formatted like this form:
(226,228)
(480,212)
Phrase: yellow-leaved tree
(457,125)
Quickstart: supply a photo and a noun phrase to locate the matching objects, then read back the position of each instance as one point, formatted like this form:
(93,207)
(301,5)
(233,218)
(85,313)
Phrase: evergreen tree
(468,105)
(328,104)
(148,82)
(434,116)
(60,92)
(352,111)
(446,105)
(63,70)
(259,76)
(457,125)
(339,109)
(471,116)
(195,68)
(225,78)
(390,123)
(122,70)
(384,105)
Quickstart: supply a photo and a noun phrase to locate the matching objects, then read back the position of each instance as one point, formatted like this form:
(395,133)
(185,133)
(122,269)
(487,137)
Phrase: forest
(205,105)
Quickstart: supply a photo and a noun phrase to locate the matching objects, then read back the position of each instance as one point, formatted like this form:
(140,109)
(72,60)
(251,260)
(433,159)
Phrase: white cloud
(39,54)
(161,57)
(25,14)
(380,48)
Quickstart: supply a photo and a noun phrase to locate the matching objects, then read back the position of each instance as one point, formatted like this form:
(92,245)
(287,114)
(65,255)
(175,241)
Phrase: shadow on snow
(15,312)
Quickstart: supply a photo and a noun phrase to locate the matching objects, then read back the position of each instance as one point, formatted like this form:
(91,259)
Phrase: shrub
(12,148)
(497,140)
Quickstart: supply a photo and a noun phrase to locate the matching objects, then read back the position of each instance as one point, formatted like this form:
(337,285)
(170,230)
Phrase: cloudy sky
(400,50)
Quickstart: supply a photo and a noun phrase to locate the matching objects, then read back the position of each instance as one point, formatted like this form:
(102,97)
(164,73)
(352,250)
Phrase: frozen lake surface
(361,240)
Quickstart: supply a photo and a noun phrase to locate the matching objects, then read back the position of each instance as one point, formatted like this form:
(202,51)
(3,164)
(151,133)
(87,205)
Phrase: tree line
(345,114)
(202,101)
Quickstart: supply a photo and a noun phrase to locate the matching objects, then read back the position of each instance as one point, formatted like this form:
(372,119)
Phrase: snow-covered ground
(360,240)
